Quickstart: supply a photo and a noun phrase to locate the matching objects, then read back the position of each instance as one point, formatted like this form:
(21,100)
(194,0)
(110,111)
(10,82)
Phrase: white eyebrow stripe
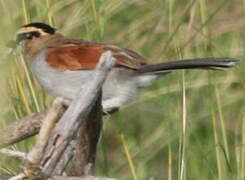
(31,29)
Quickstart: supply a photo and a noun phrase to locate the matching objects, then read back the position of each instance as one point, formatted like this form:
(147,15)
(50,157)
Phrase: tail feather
(202,63)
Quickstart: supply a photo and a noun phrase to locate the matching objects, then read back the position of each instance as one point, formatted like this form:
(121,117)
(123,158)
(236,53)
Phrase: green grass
(189,125)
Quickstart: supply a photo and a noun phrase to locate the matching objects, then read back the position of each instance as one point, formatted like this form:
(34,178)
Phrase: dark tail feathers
(202,63)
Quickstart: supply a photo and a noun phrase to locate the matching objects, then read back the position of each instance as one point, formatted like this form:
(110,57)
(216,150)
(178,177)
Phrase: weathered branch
(13,153)
(87,140)
(76,114)
(21,129)
(24,128)
(66,158)
(18,177)
(34,157)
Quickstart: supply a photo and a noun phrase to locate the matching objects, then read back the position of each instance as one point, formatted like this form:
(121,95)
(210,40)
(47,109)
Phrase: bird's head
(34,31)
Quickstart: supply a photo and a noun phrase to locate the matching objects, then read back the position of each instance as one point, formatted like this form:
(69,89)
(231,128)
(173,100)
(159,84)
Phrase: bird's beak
(19,38)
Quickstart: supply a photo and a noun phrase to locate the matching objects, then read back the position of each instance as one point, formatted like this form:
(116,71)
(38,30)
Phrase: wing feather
(87,55)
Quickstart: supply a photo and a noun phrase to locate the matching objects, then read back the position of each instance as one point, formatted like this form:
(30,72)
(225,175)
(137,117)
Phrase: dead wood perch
(77,114)
(21,129)
(12,153)
(34,157)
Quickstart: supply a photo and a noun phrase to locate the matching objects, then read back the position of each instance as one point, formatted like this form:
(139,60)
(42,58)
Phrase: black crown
(46,28)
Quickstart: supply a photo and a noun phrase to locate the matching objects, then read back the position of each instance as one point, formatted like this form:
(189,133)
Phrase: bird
(62,64)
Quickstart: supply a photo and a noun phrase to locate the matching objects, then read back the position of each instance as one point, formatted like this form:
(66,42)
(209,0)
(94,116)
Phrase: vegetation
(189,125)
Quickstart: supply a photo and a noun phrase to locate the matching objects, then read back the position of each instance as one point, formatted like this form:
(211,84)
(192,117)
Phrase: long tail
(202,63)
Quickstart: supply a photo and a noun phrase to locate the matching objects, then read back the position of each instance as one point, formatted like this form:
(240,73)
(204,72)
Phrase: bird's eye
(27,36)
(35,34)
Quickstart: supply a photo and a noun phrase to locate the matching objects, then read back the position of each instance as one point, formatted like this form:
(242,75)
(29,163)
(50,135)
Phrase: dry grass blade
(129,158)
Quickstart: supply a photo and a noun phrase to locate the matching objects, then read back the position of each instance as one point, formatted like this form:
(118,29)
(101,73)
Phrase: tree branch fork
(62,133)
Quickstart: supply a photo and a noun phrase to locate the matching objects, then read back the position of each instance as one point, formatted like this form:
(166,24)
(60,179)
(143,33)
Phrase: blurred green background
(189,125)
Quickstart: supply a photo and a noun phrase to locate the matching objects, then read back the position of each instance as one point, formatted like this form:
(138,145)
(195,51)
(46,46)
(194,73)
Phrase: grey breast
(59,83)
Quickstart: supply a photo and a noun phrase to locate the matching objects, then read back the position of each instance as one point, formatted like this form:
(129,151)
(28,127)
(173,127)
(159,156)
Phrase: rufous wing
(86,56)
